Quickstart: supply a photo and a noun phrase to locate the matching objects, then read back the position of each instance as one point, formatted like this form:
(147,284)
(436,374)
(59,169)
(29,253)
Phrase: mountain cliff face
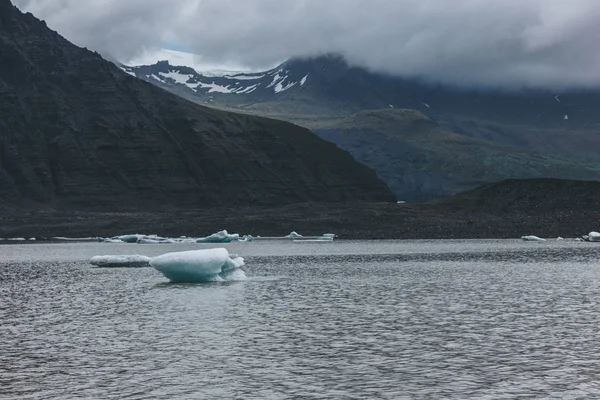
(75,130)
(425,141)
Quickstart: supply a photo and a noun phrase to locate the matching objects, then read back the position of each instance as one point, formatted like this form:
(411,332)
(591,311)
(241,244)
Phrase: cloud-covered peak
(465,42)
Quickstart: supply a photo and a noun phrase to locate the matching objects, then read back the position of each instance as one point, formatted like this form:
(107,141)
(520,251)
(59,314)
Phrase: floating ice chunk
(128,261)
(108,240)
(150,240)
(129,238)
(17,239)
(594,237)
(212,265)
(219,237)
(247,238)
(294,234)
(560,238)
(32,239)
(532,239)
(75,239)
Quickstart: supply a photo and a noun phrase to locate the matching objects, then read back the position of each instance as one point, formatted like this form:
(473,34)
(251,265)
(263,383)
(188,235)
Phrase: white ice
(219,237)
(212,265)
(126,261)
(594,237)
(294,234)
(532,239)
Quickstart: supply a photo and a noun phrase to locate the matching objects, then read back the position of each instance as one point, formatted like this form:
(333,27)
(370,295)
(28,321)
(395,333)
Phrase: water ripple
(489,323)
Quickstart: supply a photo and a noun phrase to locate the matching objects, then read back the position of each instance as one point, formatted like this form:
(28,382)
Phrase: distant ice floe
(294,234)
(246,239)
(325,238)
(126,261)
(532,239)
(594,237)
(219,237)
(211,265)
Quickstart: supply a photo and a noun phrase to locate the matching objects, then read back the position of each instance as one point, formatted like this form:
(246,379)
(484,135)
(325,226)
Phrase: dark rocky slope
(425,141)
(509,209)
(76,131)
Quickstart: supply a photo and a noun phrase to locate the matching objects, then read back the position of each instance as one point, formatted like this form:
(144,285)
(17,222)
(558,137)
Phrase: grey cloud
(467,42)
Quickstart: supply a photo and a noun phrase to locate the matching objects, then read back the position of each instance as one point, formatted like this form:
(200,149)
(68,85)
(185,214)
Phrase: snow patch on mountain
(128,71)
(248,89)
(215,88)
(177,76)
(303,81)
(281,88)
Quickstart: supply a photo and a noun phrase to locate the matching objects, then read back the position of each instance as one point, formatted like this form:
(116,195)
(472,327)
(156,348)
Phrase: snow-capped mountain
(203,86)
(328,86)
(424,140)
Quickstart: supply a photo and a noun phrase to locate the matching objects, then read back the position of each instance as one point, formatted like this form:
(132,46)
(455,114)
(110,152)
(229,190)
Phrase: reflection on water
(420,319)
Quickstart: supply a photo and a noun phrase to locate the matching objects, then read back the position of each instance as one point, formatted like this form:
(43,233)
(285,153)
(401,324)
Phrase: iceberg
(150,240)
(128,261)
(532,239)
(247,238)
(219,237)
(107,240)
(594,237)
(293,235)
(211,265)
(129,238)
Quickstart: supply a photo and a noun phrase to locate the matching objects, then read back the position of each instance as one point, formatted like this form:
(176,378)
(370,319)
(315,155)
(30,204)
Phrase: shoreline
(348,221)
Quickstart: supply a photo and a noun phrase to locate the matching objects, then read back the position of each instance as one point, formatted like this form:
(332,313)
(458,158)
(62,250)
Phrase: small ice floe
(211,265)
(157,240)
(109,240)
(129,238)
(560,238)
(246,239)
(532,239)
(17,239)
(594,237)
(325,238)
(125,261)
(70,239)
(219,237)
(293,235)
(566,117)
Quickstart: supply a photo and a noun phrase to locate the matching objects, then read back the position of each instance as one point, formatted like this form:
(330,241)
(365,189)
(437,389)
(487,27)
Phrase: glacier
(125,261)
(196,266)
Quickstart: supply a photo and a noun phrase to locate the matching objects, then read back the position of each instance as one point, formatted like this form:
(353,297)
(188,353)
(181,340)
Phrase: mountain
(424,140)
(76,131)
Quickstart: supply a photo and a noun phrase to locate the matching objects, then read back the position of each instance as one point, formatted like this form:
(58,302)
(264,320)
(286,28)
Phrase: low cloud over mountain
(465,42)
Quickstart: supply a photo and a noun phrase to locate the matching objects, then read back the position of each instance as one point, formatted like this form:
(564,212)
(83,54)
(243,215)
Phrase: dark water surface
(352,320)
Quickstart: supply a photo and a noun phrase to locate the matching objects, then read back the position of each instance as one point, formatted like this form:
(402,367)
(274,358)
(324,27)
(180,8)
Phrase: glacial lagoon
(463,319)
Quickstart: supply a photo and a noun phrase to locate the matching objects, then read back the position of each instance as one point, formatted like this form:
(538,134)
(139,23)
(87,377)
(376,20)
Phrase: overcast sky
(553,43)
